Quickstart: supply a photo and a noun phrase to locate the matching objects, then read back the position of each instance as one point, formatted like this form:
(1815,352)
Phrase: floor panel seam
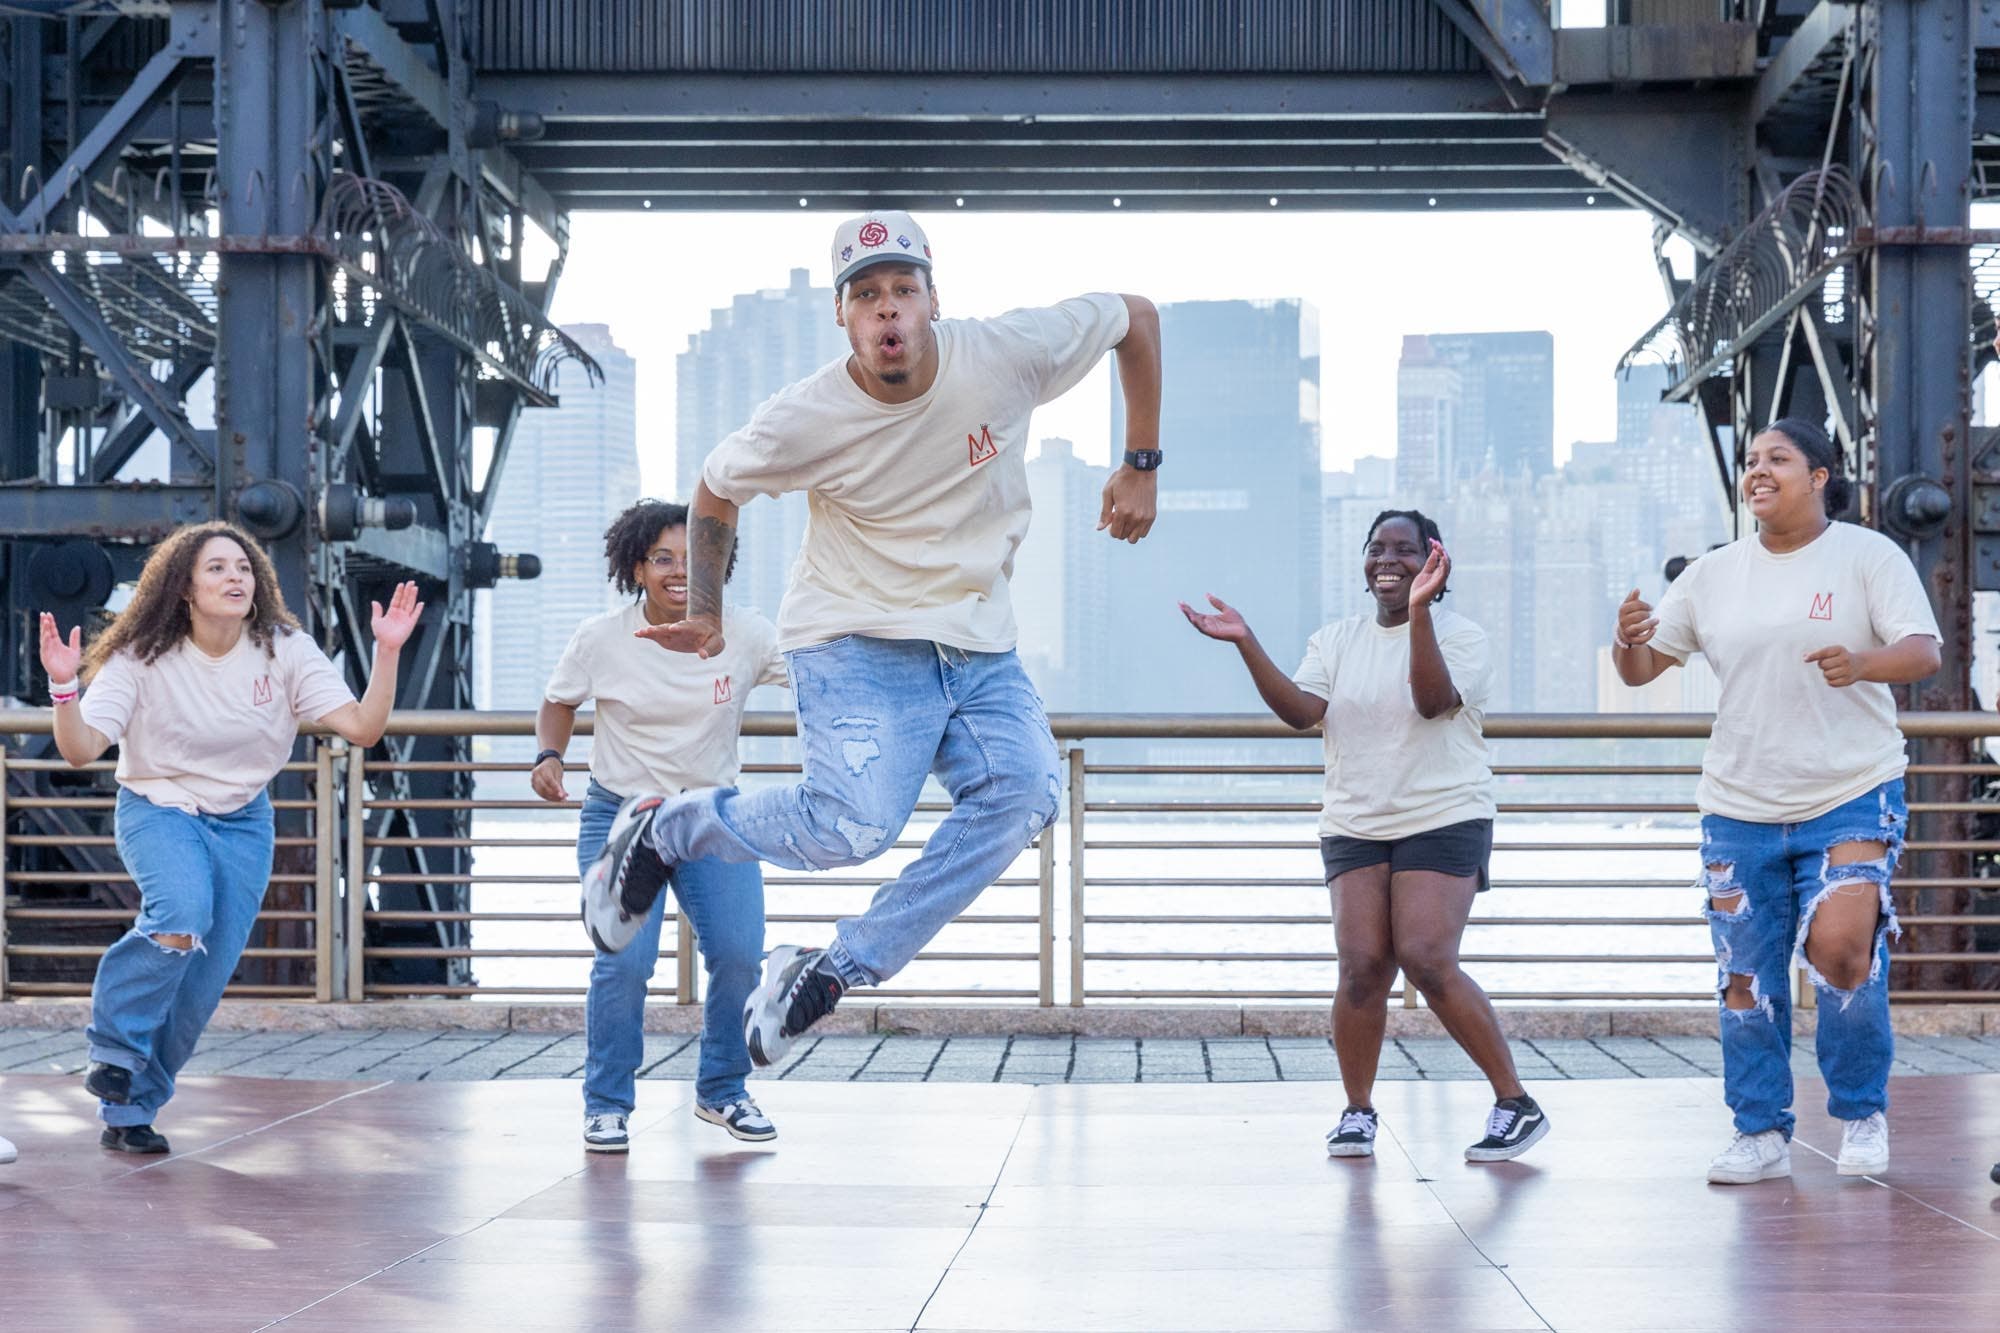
(984,1204)
(1895,1189)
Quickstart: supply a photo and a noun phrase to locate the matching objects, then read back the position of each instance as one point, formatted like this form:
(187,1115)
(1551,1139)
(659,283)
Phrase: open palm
(61,659)
(1225,623)
(393,628)
(1431,578)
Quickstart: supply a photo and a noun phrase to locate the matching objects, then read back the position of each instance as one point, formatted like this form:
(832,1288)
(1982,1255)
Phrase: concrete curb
(941,1020)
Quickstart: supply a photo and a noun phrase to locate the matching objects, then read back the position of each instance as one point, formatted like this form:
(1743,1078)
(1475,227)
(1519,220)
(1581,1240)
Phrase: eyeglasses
(664,561)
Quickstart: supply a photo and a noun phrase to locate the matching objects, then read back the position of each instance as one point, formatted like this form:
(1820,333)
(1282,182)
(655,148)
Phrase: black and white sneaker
(142,1140)
(625,880)
(741,1118)
(1515,1126)
(1354,1136)
(605,1133)
(795,994)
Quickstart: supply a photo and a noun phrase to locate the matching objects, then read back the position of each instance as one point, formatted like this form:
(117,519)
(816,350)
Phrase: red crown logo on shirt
(1822,607)
(260,691)
(722,693)
(980,447)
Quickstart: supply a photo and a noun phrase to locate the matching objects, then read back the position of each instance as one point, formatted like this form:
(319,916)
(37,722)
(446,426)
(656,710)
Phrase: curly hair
(1427,529)
(632,534)
(157,618)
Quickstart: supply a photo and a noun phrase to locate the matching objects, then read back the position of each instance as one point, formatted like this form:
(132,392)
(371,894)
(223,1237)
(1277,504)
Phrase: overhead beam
(642,98)
(143,511)
(874,160)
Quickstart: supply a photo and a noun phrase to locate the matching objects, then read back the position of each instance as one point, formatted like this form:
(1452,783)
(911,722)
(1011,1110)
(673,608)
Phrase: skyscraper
(1239,505)
(1502,406)
(569,471)
(752,348)
(1058,583)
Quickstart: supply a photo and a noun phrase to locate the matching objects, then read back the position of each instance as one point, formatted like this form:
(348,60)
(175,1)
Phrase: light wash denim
(198,875)
(875,717)
(725,905)
(1784,872)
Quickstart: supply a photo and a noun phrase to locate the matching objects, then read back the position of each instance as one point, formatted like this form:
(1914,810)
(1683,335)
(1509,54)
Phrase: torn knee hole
(1723,896)
(1741,992)
(176,943)
(1856,849)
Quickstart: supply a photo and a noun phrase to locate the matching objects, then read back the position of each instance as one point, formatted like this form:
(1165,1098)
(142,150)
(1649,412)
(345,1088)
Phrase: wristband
(546,754)
(63,693)
(1617,642)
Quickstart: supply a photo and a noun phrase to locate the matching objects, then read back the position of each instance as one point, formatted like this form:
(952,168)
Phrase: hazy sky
(1587,276)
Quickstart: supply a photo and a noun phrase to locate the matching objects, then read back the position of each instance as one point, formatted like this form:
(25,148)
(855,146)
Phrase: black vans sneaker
(133,1139)
(797,991)
(108,1083)
(1354,1136)
(1515,1126)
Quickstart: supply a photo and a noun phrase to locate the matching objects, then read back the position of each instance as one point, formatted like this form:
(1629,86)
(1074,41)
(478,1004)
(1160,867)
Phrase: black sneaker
(108,1083)
(133,1139)
(797,991)
(1354,1136)
(1515,1126)
(625,880)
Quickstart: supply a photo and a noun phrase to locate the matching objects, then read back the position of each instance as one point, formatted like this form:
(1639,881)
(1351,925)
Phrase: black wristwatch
(546,754)
(1143,460)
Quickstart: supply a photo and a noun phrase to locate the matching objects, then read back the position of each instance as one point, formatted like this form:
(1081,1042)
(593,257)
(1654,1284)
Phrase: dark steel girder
(556,162)
(133,511)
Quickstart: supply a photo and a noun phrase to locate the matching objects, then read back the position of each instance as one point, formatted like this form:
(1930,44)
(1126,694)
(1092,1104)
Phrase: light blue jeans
(725,905)
(198,875)
(1784,872)
(875,717)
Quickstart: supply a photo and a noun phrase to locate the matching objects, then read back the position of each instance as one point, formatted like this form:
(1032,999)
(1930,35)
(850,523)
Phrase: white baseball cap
(874,238)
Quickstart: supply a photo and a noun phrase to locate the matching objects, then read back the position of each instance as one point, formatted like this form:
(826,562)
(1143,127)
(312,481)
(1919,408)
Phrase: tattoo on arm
(710,542)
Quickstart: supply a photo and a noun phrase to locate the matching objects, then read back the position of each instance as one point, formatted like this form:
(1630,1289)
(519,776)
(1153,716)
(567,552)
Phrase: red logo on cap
(873,234)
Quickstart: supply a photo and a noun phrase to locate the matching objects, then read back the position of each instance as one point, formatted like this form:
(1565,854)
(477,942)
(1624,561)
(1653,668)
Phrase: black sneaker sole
(1512,1150)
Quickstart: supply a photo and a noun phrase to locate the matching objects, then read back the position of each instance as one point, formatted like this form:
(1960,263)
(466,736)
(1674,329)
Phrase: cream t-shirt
(1390,772)
(915,509)
(1787,746)
(205,734)
(666,721)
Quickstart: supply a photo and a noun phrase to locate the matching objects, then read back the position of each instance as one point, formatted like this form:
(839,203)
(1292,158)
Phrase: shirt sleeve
(1676,635)
(317,686)
(1060,343)
(1897,604)
(108,700)
(569,683)
(779,450)
(771,667)
(1313,675)
(1469,658)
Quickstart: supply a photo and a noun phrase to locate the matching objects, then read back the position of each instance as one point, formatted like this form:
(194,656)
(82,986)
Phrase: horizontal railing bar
(1692,919)
(773,918)
(1192,994)
(17,913)
(83,988)
(1296,882)
(386,988)
(97,951)
(1259,956)
(109,802)
(105,840)
(121,877)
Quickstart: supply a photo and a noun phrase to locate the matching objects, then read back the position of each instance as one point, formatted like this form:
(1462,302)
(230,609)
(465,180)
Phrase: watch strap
(1143,460)
(546,754)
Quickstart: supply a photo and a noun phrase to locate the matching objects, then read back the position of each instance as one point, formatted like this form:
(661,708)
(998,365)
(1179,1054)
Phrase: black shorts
(1456,849)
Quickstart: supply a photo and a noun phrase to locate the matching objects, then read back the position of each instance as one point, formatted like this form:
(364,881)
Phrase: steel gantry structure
(316,214)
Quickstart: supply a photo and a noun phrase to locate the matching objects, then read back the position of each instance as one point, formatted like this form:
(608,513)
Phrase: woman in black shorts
(1408,817)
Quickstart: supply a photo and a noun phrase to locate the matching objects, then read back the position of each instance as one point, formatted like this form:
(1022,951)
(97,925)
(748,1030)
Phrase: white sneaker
(1751,1158)
(741,1118)
(1864,1146)
(605,1133)
(7,1153)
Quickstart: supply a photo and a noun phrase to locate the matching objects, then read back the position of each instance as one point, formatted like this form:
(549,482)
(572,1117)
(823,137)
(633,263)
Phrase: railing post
(1045,918)
(326,811)
(356,790)
(687,986)
(1076,878)
(3,872)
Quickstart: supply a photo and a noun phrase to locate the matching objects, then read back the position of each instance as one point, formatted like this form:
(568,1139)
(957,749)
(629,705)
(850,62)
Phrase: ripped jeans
(1774,877)
(875,717)
(198,875)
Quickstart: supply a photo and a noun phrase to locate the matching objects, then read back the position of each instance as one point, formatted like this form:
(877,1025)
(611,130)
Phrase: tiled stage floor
(435,1205)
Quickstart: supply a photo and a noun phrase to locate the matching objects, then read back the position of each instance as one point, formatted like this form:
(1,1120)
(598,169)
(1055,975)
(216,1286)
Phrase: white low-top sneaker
(1864,1146)
(741,1118)
(1751,1158)
(605,1133)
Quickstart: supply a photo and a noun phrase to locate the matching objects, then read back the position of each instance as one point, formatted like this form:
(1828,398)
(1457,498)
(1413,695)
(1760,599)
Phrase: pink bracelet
(64,693)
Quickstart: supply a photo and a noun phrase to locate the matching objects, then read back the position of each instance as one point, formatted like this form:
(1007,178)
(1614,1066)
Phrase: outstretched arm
(1295,707)
(711,538)
(1131,497)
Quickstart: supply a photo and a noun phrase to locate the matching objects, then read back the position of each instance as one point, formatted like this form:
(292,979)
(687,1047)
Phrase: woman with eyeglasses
(665,722)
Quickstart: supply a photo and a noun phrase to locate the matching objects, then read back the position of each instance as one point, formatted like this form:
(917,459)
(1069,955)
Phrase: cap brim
(870,261)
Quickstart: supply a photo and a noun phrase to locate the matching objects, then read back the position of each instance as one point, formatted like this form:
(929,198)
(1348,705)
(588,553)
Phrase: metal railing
(1184,867)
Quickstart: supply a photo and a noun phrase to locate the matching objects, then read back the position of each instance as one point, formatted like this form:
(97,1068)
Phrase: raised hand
(1431,578)
(1635,620)
(393,628)
(702,637)
(61,660)
(1840,667)
(1226,623)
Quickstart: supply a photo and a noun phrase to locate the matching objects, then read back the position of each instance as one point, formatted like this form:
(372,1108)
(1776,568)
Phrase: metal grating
(920,37)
